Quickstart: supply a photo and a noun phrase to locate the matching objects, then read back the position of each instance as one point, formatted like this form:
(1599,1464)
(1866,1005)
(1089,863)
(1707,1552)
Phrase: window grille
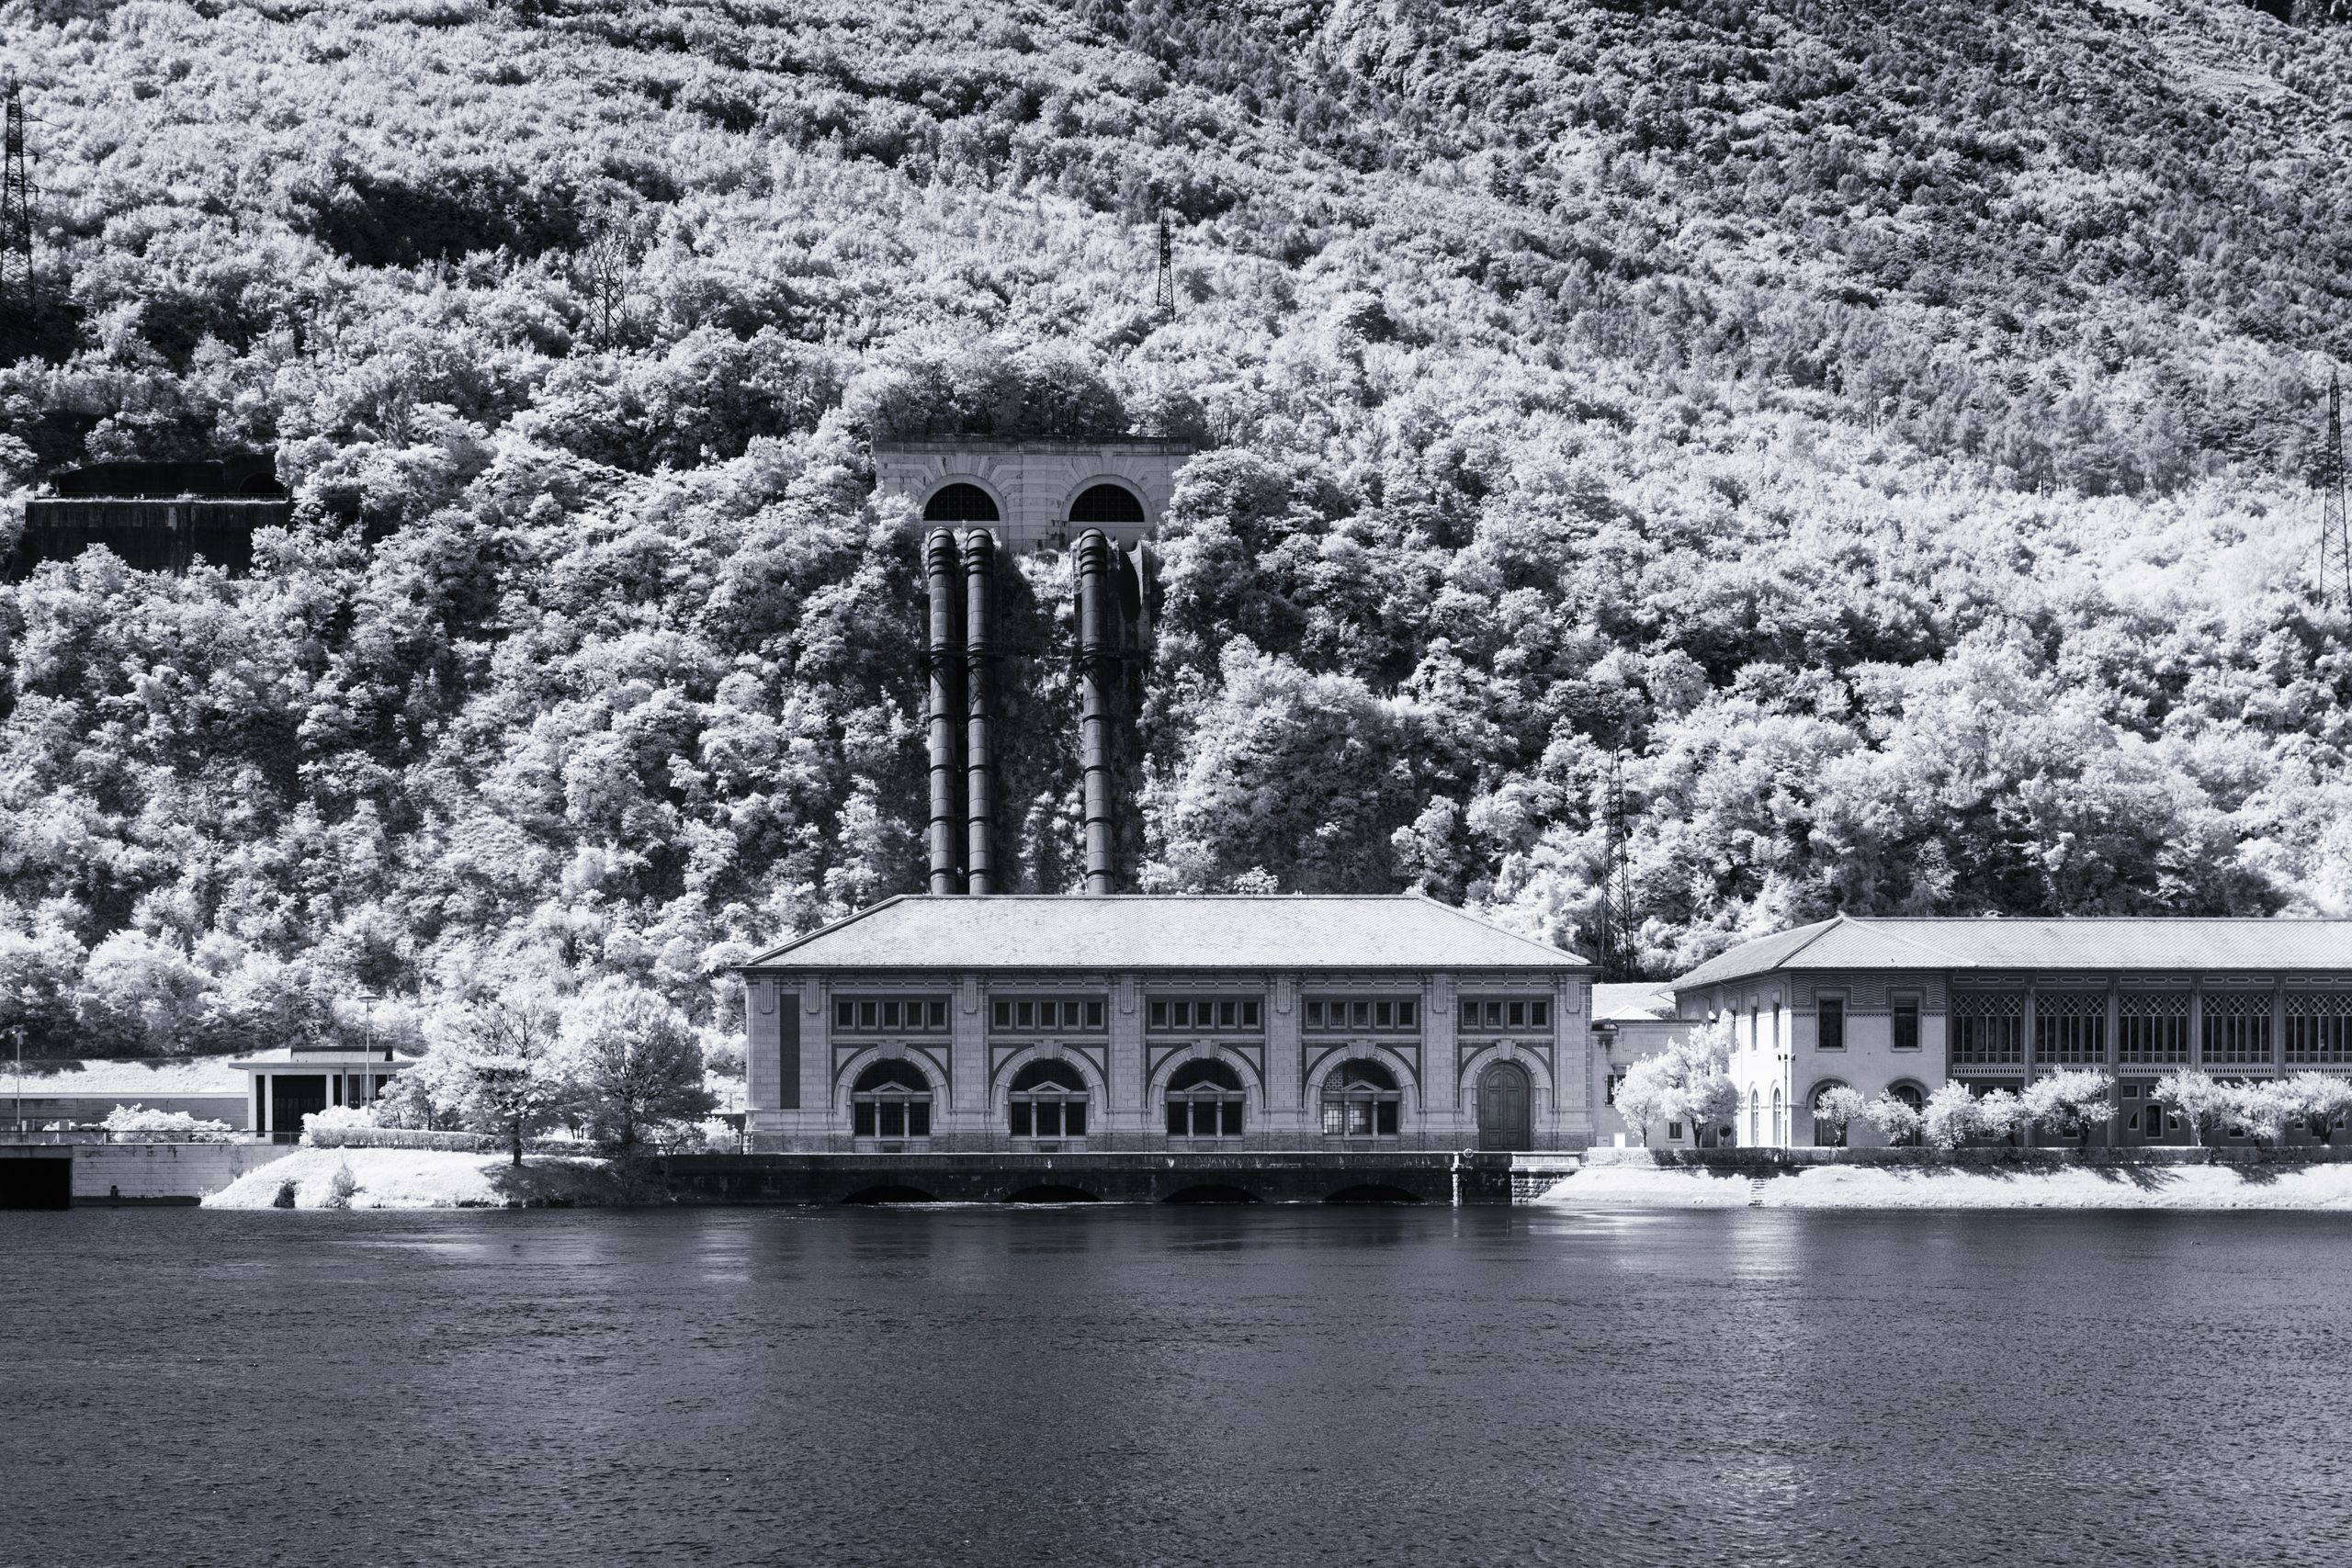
(2237,1027)
(1205,1015)
(1048,1100)
(2070,1027)
(1045,1015)
(1360,1100)
(2152,1027)
(1987,1027)
(1205,1101)
(892,1015)
(1480,1014)
(1329,1014)
(891,1100)
(2318,1028)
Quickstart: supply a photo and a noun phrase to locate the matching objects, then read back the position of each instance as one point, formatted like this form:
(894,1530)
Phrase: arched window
(1205,1101)
(1780,1128)
(1756,1118)
(1106,503)
(1826,1135)
(891,1100)
(959,503)
(1360,1101)
(1048,1102)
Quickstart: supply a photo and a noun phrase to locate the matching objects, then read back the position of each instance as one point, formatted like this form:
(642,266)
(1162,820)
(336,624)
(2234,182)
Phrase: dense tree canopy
(1886,429)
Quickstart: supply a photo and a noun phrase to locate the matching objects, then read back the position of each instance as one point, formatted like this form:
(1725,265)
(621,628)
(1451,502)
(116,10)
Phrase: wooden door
(1503,1108)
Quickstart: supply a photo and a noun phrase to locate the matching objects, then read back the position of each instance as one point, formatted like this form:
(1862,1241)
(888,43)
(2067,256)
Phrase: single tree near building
(632,1059)
(2198,1099)
(503,1055)
(1685,1082)
(2319,1099)
(2069,1104)
(1896,1120)
(1836,1108)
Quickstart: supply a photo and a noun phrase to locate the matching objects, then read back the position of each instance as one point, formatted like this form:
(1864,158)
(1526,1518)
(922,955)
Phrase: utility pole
(2334,545)
(16,213)
(1165,296)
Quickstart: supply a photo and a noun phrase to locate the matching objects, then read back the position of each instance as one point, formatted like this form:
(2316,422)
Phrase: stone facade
(1381,1052)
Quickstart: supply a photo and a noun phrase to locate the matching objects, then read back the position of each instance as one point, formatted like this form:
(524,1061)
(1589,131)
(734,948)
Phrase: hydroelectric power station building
(1062,1025)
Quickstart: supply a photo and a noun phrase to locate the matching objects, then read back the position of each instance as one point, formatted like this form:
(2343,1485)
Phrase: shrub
(1897,1122)
(136,1125)
(335,1118)
(2069,1104)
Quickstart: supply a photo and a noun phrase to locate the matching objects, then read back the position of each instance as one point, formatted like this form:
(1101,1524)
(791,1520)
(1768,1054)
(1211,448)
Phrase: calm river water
(1262,1386)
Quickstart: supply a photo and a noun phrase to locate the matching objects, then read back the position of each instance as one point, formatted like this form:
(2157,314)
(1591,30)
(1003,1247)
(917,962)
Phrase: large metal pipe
(979,654)
(1099,665)
(941,564)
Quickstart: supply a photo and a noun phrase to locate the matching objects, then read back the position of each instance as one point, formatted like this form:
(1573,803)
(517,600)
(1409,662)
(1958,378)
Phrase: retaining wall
(1266,1177)
(1795,1159)
(162,1173)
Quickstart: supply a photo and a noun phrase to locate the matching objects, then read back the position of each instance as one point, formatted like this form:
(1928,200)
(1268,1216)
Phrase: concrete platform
(1268,1176)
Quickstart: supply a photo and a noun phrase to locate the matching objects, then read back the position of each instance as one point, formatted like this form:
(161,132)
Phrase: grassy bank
(2327,1186)
(427,1178)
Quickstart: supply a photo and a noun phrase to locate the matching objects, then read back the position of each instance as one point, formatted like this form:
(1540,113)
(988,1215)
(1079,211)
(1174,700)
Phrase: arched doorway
(1102,503)
(1204,1101)
(1361,1100)
(1047,1100)
(1504,1108)
(890,1101)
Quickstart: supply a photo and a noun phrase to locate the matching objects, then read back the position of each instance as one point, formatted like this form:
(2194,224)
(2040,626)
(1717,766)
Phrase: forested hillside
(1888,427)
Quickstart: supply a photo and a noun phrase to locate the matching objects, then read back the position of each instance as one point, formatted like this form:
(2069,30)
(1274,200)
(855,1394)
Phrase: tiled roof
(1632,1001)
(2173,945)
(1164,931)
(128,1081)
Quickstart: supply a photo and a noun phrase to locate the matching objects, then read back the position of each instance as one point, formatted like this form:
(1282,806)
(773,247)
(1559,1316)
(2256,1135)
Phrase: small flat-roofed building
(286,1083)
(1904,1005)
(79,1093)
(1147,1022)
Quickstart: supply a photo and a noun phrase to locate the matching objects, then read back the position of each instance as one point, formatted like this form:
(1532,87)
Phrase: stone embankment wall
(1761,1161)
(162,1173)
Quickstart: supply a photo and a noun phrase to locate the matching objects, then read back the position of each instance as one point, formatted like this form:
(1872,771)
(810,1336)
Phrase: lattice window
(2070,1027)
(1987,1027)
(2237,1027)
(2152,1027)
(2318,1028)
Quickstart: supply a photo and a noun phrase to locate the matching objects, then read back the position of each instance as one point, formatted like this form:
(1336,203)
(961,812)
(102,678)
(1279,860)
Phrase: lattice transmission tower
(16,213)
(1165,296)
(1620,953)
(2335,544)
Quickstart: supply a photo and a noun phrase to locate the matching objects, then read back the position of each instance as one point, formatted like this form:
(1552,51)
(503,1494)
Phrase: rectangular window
(1248,1015)
(2318,1028)
(1494,1015)
(1360,1014)
(1183,1012)
(844,1013)
(1608,1089)
(1315,1015)
(1904,1005)
(1407,1014)
(889,1015)
(2152,1027)
(1232,1118)
(1540,1014)
(2237,1027)
(1020,1123)
(938,1015)
(1673,1130)
(1516,1015)
(1024,1015)
(1180,1118)
(2070,1027)
(863,1124)
(1002,1012)
(1382,1015)
(1832,1010)
(1074,1119)
(1225,1011)
(1095,1015)
(1160,1015)
(1388,1115)
(865,1012)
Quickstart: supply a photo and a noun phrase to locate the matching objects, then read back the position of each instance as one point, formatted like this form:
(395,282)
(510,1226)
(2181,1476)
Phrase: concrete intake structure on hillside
(155,516)
(1035,495)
